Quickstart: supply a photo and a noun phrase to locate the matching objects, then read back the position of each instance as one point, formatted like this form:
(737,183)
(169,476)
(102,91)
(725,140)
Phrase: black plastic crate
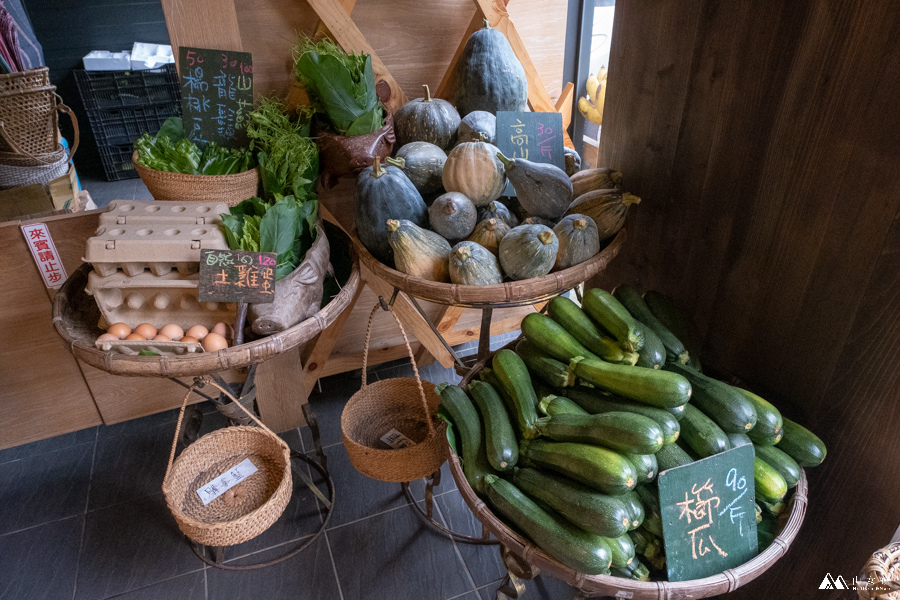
(116,89)
(124,125)
(117,162)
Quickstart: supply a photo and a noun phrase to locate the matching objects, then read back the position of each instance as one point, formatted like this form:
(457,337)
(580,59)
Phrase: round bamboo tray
(511,293)
(75,316)
(180,187)
(722,583)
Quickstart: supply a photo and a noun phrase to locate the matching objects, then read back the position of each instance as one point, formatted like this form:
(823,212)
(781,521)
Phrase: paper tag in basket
(397,440)
(226,481)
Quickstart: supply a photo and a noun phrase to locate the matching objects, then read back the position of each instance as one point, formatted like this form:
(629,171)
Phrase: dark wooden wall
(764,139)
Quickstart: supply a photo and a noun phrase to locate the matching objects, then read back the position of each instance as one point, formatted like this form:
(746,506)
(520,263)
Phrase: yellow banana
(600,99)
(592,84)
(601,81)
(589,110)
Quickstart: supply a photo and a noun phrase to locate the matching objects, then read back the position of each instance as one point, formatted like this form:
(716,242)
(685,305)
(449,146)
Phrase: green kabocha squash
(473,169)
(572,160)
(578,241)
(475,123)
(497,210)
(419,252)
(384,193)
(602,178)
(426,119)
(528,251)
(489,76)
(544,190)
(489,234)
(423,163)
(453,216)
(608,209)
(472,264)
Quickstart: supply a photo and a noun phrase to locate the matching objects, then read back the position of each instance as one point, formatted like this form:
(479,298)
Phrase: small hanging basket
(247,509)
(403,404)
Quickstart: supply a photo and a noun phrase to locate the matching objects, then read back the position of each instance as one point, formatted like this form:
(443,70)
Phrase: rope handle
(412,359)
(233,399)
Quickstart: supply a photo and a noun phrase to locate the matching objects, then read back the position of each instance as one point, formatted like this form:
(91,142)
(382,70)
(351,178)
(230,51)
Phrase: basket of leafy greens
(174,168)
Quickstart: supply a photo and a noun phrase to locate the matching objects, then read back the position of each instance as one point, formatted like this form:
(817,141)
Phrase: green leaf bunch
(170,151)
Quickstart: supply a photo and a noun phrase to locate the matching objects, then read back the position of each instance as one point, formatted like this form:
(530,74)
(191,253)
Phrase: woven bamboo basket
(75,316)
(247,509)
(180,187)
(722,583)
(511,293)
(29,123)
(404,404)
(882,572)
(24,80)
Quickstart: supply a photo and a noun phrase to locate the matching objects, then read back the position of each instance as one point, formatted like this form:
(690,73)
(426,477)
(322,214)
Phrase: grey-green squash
(473,169)
(489,76)
(601,178)
(497,210)
(419,252)
(426,119)
(608,208)
(423,163)
(544,190)
(528,251)
(453,216)
(572,160)
(384,193)
(474,123)
(578,240)
(489,233)
(472,264)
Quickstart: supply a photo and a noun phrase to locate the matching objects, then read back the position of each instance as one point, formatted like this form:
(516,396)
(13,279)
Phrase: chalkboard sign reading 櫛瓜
(534,136)
(709,520)
(237,276)
(216,95)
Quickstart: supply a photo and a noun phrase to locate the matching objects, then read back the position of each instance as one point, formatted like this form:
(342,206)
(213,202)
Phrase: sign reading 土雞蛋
(216,95)
(534,136)
(709,520)
(237,276)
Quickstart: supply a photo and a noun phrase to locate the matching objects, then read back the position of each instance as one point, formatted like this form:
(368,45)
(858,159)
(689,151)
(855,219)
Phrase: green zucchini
(662,389)
(688,450)
(759,515)
(802,445)
(665,310)
(770,486)
(619,431)
(653,353)
(609,313)
(779,460)
(499,437)
(671,456)
(636,571)
(724,404)
(631,300)
(513,376)
(555,373)
(646,544)
(573,547)
(652,514)
(772,508)
(645,465)
(583,506)
(622,550)
(739,439)
(596,402)
(558,405)
(468,425)
(572,318)
(635,509)
(599,468)
(677,412)
(702,434)
(769,423)
(552,339)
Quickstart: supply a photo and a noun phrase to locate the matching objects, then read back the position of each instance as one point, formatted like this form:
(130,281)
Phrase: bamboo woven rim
(882,568)
(181,187)
(722,583)
(511,293)
(247,509)
(75,316)
(24,80)
(399,403)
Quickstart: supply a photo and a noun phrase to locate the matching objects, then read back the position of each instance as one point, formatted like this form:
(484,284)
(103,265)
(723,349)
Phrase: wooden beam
(188,25)
(322,31)
(448,84)
(280,391)
(444,322)
(324,344)
(565,102)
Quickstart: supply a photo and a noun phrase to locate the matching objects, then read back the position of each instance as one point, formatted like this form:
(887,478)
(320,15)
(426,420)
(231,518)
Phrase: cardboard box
(62,190)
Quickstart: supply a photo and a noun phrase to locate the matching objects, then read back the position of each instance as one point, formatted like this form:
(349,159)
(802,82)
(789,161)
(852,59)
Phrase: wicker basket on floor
(180,187)
(247,509)
(882,573)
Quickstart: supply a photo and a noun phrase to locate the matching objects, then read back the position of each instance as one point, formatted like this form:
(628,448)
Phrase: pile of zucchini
(565,435)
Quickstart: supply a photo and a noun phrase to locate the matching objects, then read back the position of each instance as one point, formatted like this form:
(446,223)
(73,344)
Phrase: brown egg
(221,329)
(213,342)
(107,337)
(146,330)
(161,338)
(120,330)
(189,338)
(197,331)
(172,331)
(135,336)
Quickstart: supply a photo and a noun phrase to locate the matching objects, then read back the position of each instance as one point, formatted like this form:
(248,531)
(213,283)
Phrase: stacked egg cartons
(146,260)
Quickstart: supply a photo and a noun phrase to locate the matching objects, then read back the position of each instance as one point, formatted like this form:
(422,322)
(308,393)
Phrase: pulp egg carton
(125,212)
(133,347)
(156,299)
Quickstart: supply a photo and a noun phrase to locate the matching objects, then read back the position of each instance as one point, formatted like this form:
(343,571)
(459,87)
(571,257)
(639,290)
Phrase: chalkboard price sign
(534,136)
(237,276)
(216,95)
(709,520)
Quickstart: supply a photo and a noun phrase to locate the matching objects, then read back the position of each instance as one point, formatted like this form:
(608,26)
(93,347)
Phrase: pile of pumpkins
(434,210)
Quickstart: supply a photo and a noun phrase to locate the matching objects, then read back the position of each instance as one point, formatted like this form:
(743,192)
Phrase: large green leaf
(278,230)
(332,83)
(367,123)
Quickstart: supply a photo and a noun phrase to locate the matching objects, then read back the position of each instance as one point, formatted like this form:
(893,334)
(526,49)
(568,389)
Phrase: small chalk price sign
(237,276)
(709,520)
(534,136)
(216,95)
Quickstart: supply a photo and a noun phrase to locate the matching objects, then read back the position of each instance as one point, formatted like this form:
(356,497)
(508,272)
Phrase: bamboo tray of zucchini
(574,492)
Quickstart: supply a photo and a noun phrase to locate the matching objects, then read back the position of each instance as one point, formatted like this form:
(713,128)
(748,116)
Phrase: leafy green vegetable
(170,151)
(147,353)
(288,159)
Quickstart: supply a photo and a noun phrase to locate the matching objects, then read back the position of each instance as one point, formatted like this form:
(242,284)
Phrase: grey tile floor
(103,192)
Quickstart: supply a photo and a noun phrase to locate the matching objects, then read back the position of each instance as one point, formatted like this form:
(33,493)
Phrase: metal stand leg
(427,515)
(314,430)
(517,571)
(484,334)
